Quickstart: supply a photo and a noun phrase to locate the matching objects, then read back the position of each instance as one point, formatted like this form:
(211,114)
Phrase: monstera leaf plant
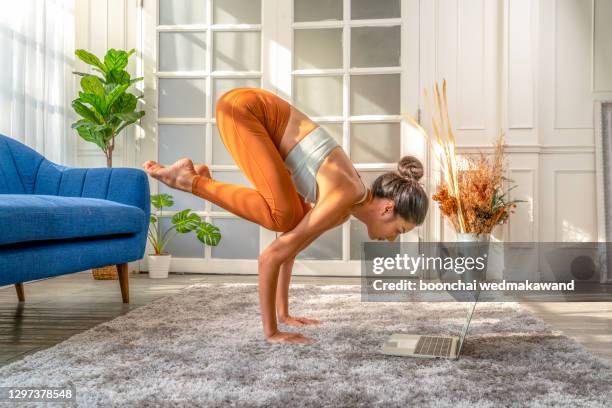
(181,222)
(104,103)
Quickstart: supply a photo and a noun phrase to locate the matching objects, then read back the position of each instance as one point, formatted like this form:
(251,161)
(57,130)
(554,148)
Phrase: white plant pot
(159,265)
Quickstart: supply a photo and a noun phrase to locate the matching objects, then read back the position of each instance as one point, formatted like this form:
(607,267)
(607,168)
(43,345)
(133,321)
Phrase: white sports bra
(305,158)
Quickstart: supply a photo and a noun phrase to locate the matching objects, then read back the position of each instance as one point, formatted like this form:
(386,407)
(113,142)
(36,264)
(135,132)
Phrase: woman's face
(384,224)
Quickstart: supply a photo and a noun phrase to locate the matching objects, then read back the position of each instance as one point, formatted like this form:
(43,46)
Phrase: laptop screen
(471,309)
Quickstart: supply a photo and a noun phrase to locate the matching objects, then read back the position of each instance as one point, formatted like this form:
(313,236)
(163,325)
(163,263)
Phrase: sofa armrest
(129,186)
(123,185)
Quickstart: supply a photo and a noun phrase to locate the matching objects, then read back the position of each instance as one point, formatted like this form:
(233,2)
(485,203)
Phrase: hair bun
(410,167)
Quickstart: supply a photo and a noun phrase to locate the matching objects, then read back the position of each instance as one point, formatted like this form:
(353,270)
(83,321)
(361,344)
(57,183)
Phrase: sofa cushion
(25,217)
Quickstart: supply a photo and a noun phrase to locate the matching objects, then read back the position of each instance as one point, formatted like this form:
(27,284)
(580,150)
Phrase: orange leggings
(251,123)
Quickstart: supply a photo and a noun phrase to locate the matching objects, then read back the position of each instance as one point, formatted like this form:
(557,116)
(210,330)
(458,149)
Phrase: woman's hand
(289,338)
(298,321)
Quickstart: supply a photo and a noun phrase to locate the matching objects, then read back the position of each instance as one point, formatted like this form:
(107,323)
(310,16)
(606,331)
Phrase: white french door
(351,65)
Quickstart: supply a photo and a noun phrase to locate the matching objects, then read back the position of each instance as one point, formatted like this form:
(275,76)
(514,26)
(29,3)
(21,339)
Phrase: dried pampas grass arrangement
(470,194)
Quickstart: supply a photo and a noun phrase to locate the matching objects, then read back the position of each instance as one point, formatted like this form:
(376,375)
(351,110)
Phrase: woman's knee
(234,101)
(224,103)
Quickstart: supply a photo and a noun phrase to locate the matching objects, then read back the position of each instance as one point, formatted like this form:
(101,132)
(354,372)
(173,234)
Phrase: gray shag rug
(204,347)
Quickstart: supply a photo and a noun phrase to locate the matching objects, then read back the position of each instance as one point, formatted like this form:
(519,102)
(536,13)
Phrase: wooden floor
(58,308)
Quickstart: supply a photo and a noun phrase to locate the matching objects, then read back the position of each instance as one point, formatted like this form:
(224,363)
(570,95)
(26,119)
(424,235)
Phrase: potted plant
(473,194)
(105,108)
(481,202)
(182,222)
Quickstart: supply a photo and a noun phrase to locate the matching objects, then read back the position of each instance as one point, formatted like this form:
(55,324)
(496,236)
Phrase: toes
(306,321)
(154,168)
(301,339)
(312,321)
(150,164)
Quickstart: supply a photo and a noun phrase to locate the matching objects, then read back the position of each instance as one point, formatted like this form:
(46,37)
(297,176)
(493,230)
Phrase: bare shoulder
(338,178)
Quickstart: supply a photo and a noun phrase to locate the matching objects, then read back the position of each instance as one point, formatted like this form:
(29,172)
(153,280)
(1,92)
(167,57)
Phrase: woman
(292,162)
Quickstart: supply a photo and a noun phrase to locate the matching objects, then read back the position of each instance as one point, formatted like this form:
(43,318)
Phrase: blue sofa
(56,220)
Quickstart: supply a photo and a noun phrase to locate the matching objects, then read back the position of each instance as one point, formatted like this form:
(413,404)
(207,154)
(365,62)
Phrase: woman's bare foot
(298,321)
(289,338)
(179,175)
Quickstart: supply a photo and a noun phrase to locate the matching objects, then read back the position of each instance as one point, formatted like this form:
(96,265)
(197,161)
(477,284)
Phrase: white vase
(495,253)
(481,248)
(471,237)
(159,265)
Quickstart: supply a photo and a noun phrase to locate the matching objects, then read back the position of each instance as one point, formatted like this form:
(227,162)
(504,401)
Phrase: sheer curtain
(36,80)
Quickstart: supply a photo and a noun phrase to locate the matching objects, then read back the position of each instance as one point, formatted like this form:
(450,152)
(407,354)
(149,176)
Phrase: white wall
(571,69)
(530,68)
(460,42)
(533,69)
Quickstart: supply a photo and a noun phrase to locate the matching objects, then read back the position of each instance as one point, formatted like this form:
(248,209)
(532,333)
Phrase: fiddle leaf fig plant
(182,222)
(104,103)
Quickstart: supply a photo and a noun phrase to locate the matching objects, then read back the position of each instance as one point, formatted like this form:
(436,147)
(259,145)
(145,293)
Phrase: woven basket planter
(105,273)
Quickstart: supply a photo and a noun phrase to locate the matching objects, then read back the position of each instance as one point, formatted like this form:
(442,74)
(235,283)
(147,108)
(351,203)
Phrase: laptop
(421,346)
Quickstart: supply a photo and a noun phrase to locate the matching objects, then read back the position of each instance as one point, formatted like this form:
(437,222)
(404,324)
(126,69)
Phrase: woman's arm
(328,212)
(284,278)
(282,293)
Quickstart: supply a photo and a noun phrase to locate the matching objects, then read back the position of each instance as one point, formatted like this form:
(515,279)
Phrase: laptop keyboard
(434,346)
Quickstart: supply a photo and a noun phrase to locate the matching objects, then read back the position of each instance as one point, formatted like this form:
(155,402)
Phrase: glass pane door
(347,76)
(204,48)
